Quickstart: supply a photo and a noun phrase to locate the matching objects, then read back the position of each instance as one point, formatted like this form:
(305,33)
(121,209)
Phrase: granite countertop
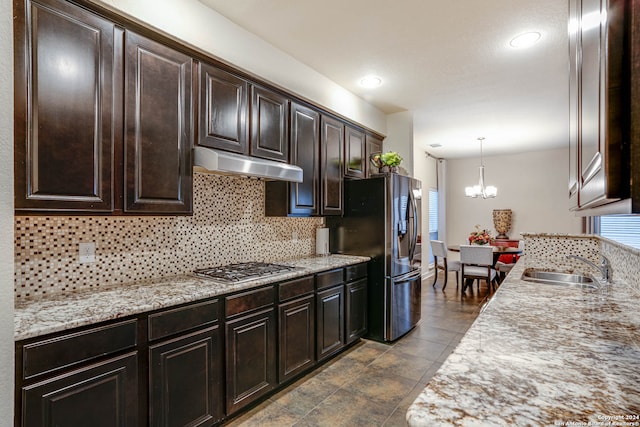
(66,310)
(541,355)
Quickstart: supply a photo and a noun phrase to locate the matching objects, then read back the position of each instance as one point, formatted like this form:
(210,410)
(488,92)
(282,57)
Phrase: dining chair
(477,264)
(439,250)
(504,268)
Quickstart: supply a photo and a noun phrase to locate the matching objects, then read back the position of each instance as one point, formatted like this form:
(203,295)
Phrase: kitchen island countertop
(541,355)
(66,310)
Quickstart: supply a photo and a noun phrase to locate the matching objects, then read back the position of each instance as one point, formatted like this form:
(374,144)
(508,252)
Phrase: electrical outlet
(294,235)
(87,252)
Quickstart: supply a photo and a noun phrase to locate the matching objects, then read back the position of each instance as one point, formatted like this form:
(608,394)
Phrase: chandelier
(480,190)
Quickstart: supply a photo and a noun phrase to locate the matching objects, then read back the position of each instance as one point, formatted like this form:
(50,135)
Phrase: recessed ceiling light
(370,81)
(436,145)
(525,39)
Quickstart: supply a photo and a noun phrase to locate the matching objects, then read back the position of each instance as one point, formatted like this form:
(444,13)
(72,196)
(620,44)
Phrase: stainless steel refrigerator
(382,220)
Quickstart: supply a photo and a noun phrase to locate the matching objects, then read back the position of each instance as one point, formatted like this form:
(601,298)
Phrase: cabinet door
(66,96)
(373,145)
(158,125)
(305,152)
(331,158)
(296,336)
(251,358)
(574,79)
(102,395)
(604,175)
(269,124)
(354,148)
(330,321)
(185,380)
(223,121)
(356,309)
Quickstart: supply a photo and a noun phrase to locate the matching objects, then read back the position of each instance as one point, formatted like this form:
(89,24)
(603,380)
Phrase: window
(621,228)
(433,219)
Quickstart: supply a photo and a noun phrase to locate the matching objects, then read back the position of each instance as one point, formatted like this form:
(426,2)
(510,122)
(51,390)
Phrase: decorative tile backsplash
(552,249)
(228,225)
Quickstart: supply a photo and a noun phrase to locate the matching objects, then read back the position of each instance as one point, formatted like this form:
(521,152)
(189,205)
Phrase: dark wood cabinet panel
(66,107)
(356,310)
(373,145)
(250,358)
(331,158)
(185,380)
(223,115)
(269,124)
(299,199)
(102,395)
(598,90)
(305,152)
(330,321)
(158,127)
(354,149)
(296,337)
(49,356)
(248,301)
(296,288)
(573,106)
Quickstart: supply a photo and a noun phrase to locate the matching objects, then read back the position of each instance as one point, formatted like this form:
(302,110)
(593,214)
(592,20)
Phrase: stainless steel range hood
(209,160)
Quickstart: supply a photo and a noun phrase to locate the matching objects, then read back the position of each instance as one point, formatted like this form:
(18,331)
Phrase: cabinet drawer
(354,272)
(248,301)
(69,350)
(294,288)
(182,319)
(329,278)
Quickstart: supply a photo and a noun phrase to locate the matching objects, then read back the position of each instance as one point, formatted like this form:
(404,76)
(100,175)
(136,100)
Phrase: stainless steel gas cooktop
(242,272)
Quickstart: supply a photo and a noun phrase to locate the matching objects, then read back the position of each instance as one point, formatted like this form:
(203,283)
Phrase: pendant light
(480,190)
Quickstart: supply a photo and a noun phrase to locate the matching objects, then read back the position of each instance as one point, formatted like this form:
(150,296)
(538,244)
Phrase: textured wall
(6,215)
(228,225)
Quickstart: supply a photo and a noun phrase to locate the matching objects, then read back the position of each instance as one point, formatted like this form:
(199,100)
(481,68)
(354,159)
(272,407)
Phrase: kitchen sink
(557,278)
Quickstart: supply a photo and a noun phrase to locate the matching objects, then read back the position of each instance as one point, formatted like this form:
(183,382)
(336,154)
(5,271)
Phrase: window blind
(621,228)
(433,211)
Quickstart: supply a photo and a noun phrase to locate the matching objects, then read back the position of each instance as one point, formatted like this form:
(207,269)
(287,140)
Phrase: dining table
(497,251)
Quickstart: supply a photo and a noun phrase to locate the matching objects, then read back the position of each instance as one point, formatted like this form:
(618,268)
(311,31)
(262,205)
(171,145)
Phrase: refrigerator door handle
(414,206)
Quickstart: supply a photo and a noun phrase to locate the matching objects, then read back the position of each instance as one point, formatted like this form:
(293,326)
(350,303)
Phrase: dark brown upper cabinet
(293,198)
(224,119)
(373,145)
(354,147)
(269,124)
(599,167)
(331,158)
(573,107)
(158,127)
(99,128)
(66,107)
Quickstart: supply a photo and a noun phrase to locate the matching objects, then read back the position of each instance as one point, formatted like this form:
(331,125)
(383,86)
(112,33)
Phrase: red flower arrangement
(480,237)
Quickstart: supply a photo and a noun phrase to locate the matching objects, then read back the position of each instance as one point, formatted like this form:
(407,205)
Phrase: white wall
(533,185)
(400,138)
(6,215)
(203,28)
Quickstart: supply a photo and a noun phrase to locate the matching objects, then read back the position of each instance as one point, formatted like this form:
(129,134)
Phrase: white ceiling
(448,62)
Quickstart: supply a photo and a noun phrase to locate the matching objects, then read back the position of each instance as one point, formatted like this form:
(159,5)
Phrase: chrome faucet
(604,268)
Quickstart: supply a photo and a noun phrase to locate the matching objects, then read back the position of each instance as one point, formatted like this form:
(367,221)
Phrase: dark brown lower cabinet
(185,380)
(98,376)
(297,337)
(104,394)
(330,318)
(355,310)
(251,358)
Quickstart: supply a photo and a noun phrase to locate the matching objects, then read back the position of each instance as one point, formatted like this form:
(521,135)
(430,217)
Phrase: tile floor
(373,384)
